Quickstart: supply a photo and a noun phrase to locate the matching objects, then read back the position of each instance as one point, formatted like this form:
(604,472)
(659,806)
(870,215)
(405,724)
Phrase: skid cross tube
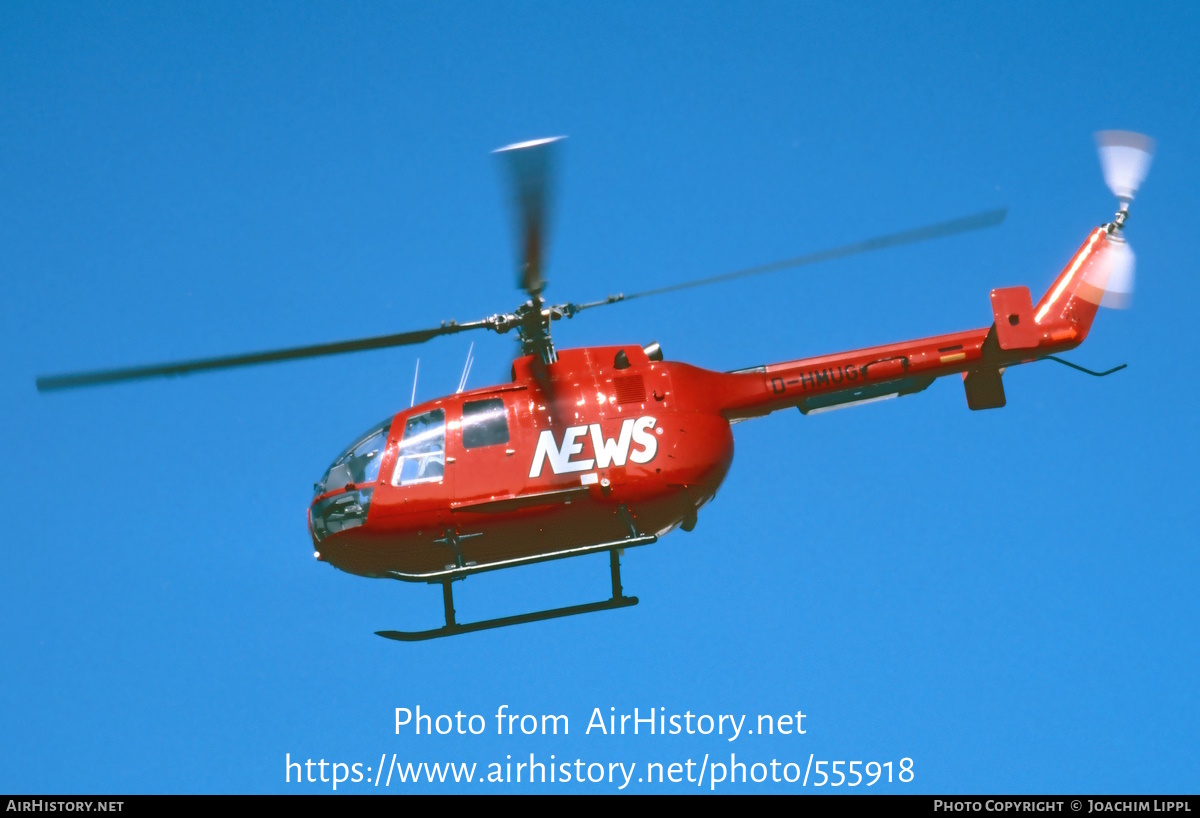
(453,628)
(448,601)
(614,565)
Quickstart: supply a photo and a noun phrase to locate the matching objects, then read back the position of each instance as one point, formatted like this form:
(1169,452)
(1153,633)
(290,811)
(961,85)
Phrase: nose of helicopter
(342,497)
(339,538)
(335,514)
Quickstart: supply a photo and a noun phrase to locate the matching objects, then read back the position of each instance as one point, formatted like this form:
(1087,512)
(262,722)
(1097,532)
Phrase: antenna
(415,374)
(462,382)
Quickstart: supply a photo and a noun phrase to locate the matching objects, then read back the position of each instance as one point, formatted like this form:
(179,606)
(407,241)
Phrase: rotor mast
(533,329)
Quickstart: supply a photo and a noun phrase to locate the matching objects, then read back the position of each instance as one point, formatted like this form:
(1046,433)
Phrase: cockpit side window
(422,451)
(484,423)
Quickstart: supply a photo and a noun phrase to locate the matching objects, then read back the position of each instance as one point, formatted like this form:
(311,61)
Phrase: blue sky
(1005,597)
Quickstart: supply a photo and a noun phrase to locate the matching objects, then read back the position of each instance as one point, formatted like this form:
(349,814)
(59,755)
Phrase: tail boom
(1020,333)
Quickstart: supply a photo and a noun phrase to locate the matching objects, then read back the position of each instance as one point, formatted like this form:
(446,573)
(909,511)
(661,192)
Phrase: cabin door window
(422,451)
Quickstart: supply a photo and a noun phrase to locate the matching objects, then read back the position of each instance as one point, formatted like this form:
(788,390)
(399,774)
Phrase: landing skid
(453,628)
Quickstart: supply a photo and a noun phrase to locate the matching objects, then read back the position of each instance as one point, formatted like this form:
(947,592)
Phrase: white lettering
(643,435)
(560,458)
(596,721)
(608,451)
(571,446)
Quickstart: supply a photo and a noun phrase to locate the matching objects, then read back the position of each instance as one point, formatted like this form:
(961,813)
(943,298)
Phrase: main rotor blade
(532,167)
(979,221)
(133,373)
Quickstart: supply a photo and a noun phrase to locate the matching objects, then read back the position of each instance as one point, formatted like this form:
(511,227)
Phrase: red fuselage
(568,453)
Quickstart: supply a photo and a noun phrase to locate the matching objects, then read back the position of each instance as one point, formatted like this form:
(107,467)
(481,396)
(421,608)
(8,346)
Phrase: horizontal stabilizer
(1012,309)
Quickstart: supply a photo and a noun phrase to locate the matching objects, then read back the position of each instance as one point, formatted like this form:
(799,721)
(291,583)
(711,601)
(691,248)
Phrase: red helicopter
(608,448)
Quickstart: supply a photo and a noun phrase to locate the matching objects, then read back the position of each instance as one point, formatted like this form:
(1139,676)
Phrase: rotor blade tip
(532,143)
(994,217)
(1125,139)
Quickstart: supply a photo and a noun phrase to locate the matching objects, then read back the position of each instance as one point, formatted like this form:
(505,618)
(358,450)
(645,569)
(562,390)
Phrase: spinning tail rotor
(1125,158)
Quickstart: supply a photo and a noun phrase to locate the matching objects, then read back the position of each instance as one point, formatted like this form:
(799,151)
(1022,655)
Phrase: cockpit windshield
(359,464)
